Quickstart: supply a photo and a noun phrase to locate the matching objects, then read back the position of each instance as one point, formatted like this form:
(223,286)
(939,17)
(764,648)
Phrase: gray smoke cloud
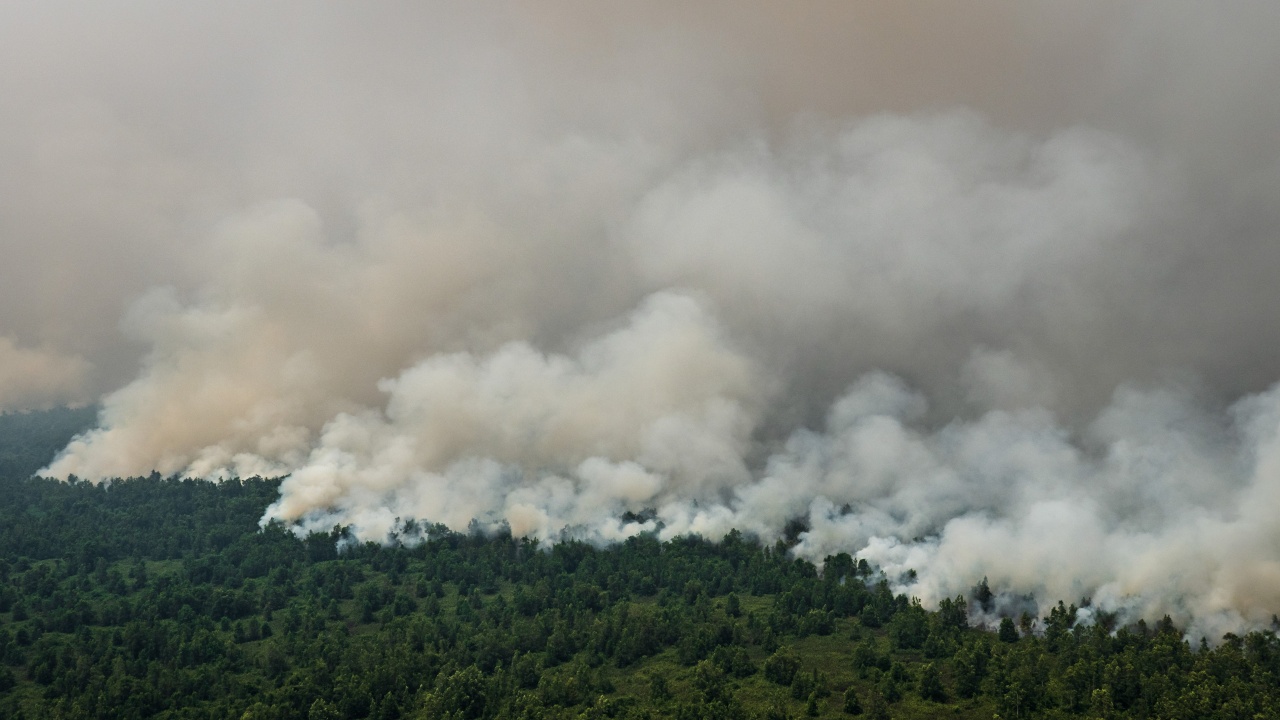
(39,377)
(979,290)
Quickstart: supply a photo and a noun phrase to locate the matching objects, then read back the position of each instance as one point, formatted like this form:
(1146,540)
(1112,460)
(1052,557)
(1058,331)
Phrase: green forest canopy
(154,597)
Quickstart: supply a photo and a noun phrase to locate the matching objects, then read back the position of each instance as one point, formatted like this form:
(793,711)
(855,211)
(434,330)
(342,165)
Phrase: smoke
(656,412)
(40,377)
(980,290)
(1152,508)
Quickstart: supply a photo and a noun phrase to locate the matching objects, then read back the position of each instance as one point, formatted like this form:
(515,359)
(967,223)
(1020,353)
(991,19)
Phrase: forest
(163,597)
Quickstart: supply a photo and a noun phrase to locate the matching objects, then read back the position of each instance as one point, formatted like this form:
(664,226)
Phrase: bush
(781,667)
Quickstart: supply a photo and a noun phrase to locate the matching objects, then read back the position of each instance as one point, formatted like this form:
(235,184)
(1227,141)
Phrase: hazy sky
(539,263)
(132,131)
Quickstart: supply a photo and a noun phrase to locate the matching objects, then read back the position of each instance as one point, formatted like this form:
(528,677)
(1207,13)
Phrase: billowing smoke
(979,290)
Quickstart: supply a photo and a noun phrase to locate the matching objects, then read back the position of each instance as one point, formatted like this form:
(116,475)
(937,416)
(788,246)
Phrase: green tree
(877,707)
(909,628)
(460,695)
(659,692)
(323,710)
(852,704)
(710,680)
(733,606)
(931,683)
(965,671)
(811,705)
(1008,631)
(781,667)
(983,596)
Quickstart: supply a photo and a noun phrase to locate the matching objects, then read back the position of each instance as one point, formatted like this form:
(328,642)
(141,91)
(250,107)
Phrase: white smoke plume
(1153,508)
(977,290)
(656,412)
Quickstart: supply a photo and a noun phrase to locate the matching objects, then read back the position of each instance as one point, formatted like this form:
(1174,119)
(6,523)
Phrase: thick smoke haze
(981,289)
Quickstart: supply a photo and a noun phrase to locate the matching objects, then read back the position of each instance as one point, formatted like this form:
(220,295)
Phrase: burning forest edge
(167,597)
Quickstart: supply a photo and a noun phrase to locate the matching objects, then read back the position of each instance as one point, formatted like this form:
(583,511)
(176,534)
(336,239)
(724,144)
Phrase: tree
(1100,704)
(965,671)
(776,711)
(852,705)
(983,596)
(1008,631)
(889,689)
(733,606)
(931,683)
(1027,623)
(659,692)
(710,680)
(321,709)
(802,685)
(909,628)
(461,695)
(877,707)
(953,614)
(781,667)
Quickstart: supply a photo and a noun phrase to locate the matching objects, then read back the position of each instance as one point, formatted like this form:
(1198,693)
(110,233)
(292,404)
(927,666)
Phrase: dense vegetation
(161,597)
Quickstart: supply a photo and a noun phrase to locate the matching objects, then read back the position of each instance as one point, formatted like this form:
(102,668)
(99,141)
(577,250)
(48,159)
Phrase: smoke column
(980,290)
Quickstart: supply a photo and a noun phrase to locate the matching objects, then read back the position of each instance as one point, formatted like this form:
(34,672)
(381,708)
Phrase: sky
(980,289)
